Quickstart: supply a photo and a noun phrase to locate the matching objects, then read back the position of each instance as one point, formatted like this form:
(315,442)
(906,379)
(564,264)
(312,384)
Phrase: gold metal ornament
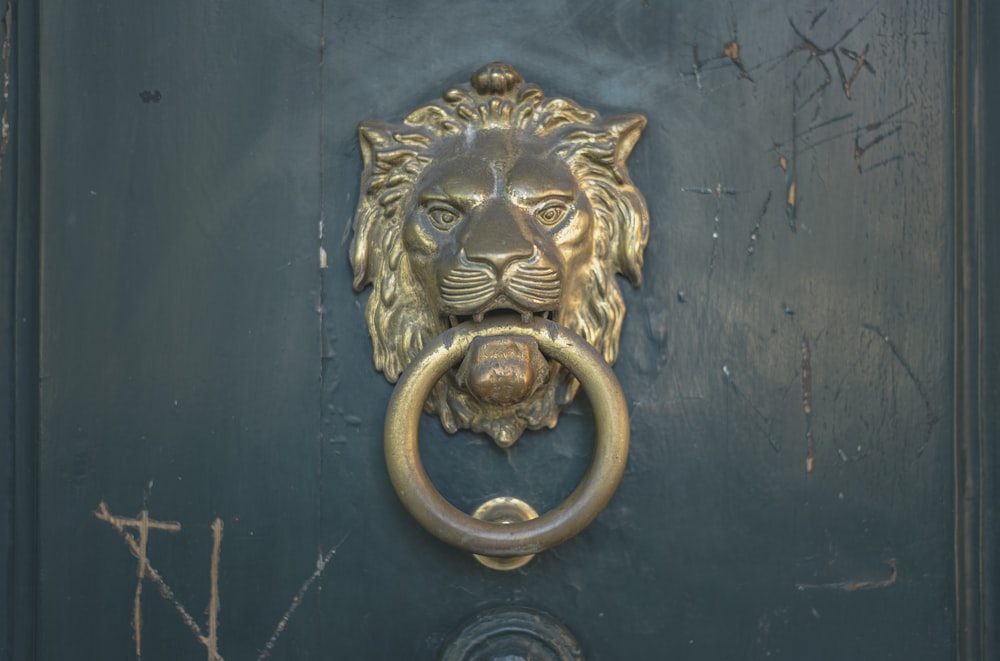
(492,225)
(499,539)
(497,199)
(505,510)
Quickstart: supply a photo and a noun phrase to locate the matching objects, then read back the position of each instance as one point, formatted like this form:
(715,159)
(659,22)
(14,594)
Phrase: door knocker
(491,225)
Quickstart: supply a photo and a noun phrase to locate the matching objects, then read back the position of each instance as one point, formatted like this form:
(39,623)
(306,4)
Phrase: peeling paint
(755,229)
(807,404)
(790,204)
(732,51)
(782,160)
(8,25)
(717,191)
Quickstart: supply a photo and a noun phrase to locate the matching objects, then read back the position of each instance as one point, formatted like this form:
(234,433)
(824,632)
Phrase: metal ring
(453,526)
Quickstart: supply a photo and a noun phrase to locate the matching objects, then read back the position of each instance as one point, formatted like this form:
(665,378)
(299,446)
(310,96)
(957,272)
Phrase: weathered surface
(787,360)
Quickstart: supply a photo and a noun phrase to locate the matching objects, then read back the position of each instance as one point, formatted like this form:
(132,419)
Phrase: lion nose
(496,236)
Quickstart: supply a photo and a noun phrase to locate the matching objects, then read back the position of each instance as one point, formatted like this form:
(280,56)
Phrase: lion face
(497,201)
(498,223)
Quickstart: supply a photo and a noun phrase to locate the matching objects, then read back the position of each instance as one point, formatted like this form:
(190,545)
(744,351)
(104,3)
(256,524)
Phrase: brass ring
(444,520)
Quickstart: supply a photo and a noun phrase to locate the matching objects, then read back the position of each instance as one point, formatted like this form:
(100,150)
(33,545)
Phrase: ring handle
(453,526)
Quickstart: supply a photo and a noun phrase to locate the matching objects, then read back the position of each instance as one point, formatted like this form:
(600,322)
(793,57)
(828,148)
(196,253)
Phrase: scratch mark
(790,203)
(860,59)
(854,586)
(859,149)
(321,564)
(891,125)
(140,571)
(816,18)
(716,191)
(823,124)
(870,127)
(120,524)
(860,62)
(212,640)
(932,417)
(860,453)
(782,161)
(755,229)
(883,163)
(802,100)
(807,403)
(827,80)
(729,55)
(817,54)
(768,423)
(696,66)
(732,51)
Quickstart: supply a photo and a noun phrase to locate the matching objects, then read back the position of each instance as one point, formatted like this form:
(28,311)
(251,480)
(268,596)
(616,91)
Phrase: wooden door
(197,422)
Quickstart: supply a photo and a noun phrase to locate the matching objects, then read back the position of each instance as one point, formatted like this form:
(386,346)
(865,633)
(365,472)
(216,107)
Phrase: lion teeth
(478,317)
(453,320)
(526,317)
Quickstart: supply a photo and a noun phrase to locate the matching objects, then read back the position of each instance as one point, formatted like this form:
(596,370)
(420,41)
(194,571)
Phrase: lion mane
(395,155)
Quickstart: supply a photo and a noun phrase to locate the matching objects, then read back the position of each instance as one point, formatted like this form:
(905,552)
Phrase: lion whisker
(468,293)
(540,287)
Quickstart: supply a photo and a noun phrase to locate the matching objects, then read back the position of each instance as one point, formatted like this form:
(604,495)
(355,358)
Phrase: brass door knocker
(491,225)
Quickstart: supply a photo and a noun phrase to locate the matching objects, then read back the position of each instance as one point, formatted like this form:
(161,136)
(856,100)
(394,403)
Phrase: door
(210,473)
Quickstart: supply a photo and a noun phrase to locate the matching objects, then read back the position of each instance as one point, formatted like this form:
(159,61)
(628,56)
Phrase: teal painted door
(210,470)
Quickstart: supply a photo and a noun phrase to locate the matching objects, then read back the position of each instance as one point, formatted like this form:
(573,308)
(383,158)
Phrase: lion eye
(551,214)
(443,217)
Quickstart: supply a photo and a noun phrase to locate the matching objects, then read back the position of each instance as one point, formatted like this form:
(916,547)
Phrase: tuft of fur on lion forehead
(395,155)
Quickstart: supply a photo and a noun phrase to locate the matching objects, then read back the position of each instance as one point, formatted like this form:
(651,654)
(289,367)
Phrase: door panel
(179,329)
(787,360)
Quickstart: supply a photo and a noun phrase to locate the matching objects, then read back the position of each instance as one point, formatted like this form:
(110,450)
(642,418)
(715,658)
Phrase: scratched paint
(807,404)
(5,60)
(855,585)
(222,316)
(717,192)
(209,638)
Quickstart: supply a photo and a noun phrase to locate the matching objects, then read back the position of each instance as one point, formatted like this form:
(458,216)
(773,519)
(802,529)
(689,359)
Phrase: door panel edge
(20,201)
(977,324)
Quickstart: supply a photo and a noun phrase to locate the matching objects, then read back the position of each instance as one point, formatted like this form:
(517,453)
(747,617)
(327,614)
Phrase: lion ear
(373,137)
(626,129)
(632,230)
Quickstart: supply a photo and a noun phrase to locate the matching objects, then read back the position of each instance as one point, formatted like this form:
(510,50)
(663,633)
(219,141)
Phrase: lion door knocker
(491,226)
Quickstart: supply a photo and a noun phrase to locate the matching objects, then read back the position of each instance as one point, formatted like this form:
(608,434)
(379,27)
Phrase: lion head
(497,199)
